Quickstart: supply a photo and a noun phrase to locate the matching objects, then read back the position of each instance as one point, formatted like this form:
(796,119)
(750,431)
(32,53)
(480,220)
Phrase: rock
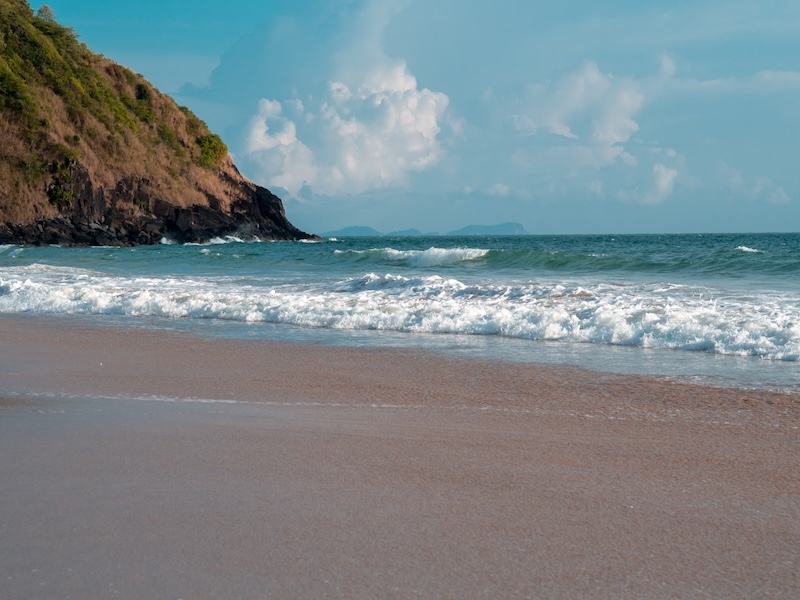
(93,219)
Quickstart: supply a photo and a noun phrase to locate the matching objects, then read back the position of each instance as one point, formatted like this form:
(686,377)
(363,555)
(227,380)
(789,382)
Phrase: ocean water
(719,308)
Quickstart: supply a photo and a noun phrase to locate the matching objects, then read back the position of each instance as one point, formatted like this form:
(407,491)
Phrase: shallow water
(721,309)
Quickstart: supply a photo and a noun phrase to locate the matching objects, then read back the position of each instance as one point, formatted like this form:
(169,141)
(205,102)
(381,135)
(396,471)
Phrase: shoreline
(185,466)
(76,358)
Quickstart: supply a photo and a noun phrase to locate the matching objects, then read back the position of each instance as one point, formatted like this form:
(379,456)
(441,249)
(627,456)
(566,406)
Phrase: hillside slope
(91,153)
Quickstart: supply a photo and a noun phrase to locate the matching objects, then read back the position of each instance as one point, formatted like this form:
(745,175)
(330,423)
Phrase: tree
(45,13)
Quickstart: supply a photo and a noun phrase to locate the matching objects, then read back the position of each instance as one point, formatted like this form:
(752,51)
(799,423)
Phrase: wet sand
(159,464)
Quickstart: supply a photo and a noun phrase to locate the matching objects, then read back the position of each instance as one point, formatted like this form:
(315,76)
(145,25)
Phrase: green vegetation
(63,106)
(212,150)
(167,135)
(45,13)
(14,94)
(59,196)
(58,193)
(193,124)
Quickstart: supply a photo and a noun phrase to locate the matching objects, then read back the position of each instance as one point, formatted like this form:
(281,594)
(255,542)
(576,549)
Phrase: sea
(717,309)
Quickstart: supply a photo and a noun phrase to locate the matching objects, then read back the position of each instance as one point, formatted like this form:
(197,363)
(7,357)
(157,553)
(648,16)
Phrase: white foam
(746,249)
(645,315)
(433,257)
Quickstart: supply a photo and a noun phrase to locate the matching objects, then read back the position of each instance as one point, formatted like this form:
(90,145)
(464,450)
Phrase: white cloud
(762,82)
(272,144)
(663,182)
(614,123)
(756,189)
(651,188)
(779,196)
(594,109)
(369,129)
(594,116)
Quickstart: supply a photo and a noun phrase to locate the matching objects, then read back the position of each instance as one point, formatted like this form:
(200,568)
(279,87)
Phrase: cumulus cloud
(369,129)
(272,143)
(594,109)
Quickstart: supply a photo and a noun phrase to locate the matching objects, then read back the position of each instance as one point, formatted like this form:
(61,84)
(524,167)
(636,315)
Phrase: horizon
(555,234)
(568,118)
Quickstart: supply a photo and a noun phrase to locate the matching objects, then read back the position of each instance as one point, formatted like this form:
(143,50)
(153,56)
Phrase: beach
(147,463)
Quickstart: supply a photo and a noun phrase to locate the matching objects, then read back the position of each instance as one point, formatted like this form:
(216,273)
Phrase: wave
(10,250)
(432,257)
(739,262)
(670,316)
(217,241)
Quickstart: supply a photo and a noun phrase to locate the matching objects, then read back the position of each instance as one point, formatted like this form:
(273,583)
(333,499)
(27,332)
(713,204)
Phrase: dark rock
(97,218)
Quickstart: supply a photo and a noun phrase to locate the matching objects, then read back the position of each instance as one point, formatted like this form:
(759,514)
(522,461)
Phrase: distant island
(509,228)
(92,154)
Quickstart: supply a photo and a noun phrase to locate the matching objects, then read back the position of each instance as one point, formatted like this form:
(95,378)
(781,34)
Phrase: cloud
(498,190)
(779,196)
(388,102)
(663,182)
(594,110)
(762,82)
(273,145)
(757,189)
(369,129)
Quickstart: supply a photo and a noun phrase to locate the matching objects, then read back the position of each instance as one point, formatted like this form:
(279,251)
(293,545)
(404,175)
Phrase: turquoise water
(718,308)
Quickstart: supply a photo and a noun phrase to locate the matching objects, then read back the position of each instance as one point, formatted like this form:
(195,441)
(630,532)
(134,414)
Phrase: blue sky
(568,116)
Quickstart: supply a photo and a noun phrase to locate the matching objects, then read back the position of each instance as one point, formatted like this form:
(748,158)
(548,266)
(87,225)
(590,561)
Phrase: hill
(91,153)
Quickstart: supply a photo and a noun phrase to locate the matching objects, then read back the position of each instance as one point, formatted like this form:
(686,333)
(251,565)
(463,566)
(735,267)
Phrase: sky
(568,116)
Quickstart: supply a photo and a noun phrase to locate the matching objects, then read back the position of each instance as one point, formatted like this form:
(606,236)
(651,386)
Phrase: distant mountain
(510,228)
(353,231)
(92,154)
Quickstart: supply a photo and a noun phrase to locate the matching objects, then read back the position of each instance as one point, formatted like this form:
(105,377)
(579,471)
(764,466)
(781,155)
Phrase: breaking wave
(649,315)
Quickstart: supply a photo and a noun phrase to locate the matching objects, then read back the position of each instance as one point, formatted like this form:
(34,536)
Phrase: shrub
(58,196)
(167,135)
(193,124)
(144,94)
(212,150)
(14,92)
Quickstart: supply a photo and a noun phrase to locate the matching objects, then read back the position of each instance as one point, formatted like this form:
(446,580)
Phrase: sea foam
(432,257)
(649,315)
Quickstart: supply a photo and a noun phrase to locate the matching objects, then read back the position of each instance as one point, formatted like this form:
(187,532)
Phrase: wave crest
(674,316)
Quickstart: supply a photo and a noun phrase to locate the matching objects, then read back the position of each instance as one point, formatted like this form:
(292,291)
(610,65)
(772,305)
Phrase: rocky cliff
(92,154)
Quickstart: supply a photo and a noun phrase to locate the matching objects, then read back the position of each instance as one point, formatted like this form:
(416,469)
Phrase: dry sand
(141,464)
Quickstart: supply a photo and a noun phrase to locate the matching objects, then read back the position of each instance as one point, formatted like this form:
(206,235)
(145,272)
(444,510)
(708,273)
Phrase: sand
(163,465)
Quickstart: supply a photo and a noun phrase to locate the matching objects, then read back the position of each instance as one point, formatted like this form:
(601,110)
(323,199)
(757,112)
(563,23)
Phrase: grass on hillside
(62,103)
